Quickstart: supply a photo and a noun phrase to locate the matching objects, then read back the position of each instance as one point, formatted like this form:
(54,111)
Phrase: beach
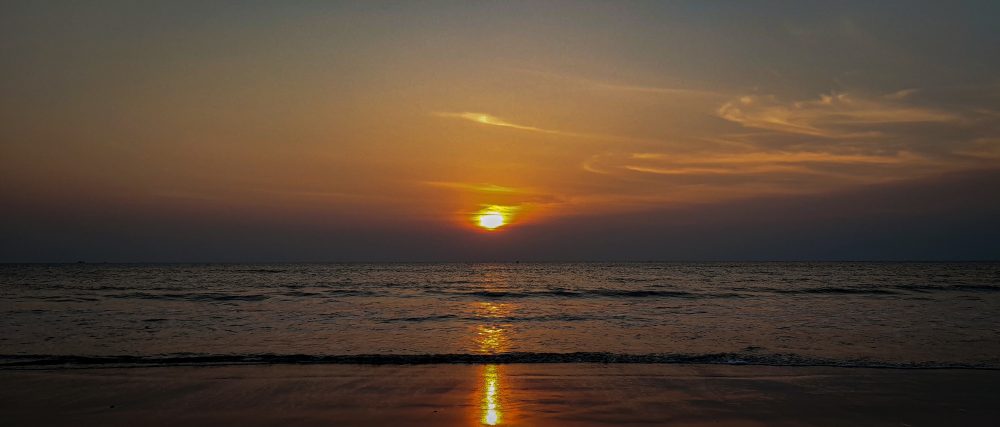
(533,344)
(508,394)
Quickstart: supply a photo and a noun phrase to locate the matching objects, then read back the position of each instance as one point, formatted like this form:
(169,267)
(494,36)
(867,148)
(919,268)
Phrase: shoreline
(748,358)
(553,394)
(85,367)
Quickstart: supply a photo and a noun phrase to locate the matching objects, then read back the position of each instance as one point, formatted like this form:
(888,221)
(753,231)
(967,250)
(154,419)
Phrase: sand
(517,394)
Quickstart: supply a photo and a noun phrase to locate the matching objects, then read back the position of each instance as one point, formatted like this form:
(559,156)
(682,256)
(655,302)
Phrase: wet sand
(516,395)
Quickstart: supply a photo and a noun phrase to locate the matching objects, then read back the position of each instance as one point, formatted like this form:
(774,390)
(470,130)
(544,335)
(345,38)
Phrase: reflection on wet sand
(491,408)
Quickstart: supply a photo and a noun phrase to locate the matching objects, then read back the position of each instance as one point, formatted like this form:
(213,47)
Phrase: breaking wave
(750,357)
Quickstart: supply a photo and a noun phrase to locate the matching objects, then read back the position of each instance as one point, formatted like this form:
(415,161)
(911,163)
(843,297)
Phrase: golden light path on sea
(491,339)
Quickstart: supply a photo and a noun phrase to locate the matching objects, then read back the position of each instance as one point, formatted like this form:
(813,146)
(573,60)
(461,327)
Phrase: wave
(421,318)
(221,296)
(834,290)
(893,290)
(957,287)
(740,358)
(584,293)
(350,292)
(503,319)
(191,296)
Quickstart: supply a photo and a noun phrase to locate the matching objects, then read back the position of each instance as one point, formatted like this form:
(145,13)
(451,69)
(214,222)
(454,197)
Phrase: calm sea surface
(857,314)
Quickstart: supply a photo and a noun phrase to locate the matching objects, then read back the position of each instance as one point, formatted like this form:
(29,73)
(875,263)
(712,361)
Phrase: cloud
(837,115)
(763,171)
(656,90)
(987,148)
(593,84)
(900,94)
(777,157)
(497,193)
(826,143)
(480,188)
(491,120)
(830,142)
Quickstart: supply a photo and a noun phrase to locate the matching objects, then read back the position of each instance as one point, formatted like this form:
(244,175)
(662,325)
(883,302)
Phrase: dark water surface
(854,314)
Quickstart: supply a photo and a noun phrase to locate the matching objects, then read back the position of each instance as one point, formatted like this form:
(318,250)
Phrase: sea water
(841,314)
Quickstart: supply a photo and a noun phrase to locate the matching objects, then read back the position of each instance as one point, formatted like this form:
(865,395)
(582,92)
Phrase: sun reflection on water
(492,310)
(491,337)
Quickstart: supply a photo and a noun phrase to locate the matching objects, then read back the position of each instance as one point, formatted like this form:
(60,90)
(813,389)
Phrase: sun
(491,220)
(493,217)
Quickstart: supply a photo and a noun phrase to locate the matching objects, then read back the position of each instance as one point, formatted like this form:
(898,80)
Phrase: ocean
(899,315)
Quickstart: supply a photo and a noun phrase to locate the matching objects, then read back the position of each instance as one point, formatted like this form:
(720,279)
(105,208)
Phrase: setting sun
(491,220)
(492,217)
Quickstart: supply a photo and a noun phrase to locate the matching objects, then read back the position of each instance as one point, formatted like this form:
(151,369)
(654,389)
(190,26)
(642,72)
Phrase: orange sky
(364,114)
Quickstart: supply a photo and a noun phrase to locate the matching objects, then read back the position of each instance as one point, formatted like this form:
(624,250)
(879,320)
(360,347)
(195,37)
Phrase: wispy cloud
(657,90)
(834,115)
(829,142)
(485,194)
(900,94)
(666,177)
(477,187)
(727,170)
(619,86)
(748,164)
(491,120)
(777,157)
(832,141)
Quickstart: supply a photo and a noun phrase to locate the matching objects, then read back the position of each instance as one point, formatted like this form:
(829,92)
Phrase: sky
(384,131)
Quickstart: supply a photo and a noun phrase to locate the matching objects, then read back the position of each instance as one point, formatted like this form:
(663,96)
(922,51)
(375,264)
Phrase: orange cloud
(491,120)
